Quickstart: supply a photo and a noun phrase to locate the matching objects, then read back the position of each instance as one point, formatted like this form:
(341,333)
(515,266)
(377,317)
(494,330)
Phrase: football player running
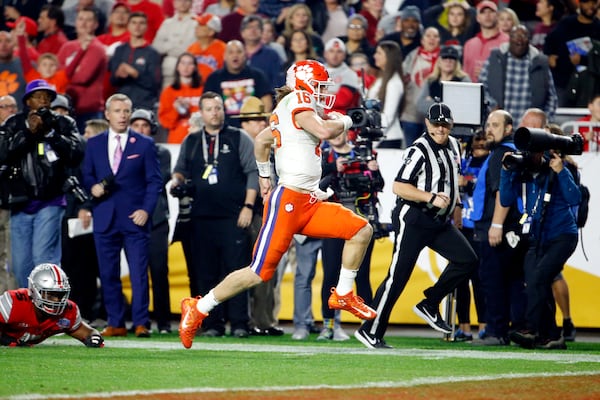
(30,315)
(297,127)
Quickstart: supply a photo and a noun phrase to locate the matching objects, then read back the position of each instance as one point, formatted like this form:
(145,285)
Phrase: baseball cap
(411,12)
(36,85)
(210,20)
(449,52)
(31,28)
(120,4)
(486,4)
(335,43)
(141,113)
(439,113)
(252,108)
(60,102)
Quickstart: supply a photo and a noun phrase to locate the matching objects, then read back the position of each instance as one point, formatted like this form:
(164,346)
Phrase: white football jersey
(297,152)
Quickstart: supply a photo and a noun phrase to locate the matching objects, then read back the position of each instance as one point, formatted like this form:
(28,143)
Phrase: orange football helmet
(311,76)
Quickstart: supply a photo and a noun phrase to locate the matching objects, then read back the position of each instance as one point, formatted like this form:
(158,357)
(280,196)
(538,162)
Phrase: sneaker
(340,335)
(460,336)
(351,303)
(432,316)
(523,338)
(191,319)
(300,334)
(240,333)
(325,334)
(491,341)
(568,330)
(211,332)
(549,344)
(370,341)
(482,333)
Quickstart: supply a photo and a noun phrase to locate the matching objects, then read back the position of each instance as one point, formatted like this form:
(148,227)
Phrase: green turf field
(62,366)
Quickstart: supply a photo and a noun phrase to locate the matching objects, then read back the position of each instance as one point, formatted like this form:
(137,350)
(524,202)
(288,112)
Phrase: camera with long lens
(73,186)
(48,117)
(534,140)
(185,189)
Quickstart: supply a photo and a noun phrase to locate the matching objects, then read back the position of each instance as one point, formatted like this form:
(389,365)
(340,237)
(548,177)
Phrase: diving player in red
(30,315)
(295,205)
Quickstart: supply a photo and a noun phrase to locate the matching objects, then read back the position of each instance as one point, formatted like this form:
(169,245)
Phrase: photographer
(37,146)
(550,193)
(355,180)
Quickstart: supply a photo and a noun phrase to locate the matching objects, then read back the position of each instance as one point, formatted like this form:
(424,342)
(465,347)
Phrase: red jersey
(589,145)
(19,321)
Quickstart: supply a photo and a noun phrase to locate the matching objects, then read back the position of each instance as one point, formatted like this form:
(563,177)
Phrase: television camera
(533,140)
(357,186)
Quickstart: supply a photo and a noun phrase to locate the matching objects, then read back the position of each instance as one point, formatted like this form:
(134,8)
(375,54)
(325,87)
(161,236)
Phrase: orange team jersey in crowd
(169,118)
(59,80)
(209,58)
(287,211)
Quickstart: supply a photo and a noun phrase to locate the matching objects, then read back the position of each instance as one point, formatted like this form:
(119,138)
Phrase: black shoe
(491,341)
(549,344)
(568,330)
(271,331)
(211,333)
(523,338)
(240,333)
(431,314)
(371,341)
(274,331)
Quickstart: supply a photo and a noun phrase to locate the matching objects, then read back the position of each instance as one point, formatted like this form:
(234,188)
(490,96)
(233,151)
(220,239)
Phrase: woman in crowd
(299,47)
(458,26)
(389,89)
(418,65)
(507,19)
(299,17)
(179,100)
(447,68)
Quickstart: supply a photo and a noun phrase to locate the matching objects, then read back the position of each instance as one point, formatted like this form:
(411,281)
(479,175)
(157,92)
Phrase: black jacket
(35,166)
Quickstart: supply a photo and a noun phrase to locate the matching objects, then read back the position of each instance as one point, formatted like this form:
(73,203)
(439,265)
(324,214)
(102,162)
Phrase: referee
(427,190)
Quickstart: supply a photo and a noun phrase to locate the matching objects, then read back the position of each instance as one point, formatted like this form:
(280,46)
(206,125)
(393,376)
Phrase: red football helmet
(312,76)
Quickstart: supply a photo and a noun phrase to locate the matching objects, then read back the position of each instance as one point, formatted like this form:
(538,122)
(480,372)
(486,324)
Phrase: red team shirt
(18,319)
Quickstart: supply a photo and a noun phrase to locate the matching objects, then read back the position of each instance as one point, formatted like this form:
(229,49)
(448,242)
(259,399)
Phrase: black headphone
(147,115)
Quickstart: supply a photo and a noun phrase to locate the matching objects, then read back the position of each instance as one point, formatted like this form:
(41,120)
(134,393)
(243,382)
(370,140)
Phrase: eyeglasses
(359,64)
(5,106)
(355,26)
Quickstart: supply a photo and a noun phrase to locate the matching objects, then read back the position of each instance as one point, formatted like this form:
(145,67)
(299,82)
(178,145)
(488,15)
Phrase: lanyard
(215,149)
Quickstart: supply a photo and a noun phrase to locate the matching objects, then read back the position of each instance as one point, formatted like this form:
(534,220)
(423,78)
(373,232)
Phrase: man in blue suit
(121,171)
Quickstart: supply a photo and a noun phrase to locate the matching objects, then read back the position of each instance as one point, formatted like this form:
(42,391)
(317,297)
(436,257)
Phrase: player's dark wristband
(250,206)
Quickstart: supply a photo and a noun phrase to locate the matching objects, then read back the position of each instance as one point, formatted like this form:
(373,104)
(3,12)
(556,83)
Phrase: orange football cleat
(191,319)
(351,303)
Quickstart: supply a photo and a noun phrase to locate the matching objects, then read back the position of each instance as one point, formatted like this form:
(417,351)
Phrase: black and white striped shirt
(434,168)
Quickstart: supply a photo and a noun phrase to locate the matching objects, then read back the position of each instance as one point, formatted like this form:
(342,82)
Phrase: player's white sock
(346,281)
(207,303)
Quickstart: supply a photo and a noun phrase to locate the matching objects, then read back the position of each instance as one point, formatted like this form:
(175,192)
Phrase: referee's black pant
(415,231)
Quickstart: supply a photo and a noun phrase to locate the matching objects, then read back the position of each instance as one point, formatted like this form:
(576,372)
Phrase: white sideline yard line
(379,385)
(560,357)
(544,355)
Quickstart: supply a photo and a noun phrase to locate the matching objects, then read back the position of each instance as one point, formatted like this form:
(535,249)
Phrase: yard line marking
(381,385)
(544,355)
